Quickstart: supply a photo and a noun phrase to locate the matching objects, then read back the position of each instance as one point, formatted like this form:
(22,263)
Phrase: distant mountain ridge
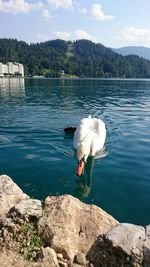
(140,51)
(81,58)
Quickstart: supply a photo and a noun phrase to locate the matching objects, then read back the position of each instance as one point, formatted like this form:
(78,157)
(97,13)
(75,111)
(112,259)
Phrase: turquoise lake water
(40,158)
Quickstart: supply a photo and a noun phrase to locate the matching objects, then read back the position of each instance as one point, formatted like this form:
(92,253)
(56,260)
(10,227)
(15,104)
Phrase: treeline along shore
(82,58)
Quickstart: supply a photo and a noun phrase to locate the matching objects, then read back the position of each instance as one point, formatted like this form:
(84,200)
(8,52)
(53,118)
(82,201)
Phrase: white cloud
(82,10)
(18,6)
(135,36)
(98,14)
(65,4)
(43,37)
(81,34)
(62,35)
(79,8)
(46,15)
(74,35)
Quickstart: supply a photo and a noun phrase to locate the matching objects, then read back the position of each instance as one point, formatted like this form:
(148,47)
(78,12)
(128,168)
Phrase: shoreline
(63,231)
(79,78)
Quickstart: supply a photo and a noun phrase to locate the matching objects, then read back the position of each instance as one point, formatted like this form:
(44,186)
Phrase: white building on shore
(11,69)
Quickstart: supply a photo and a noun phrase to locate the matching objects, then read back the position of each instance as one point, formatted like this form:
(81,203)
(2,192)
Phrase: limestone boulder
(70,226)
(49,256)
(121,246)
(31,208)
(10,194)
(80,259)
(147,247)
(128,236)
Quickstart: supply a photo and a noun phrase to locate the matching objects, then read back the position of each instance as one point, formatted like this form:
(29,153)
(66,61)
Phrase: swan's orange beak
(80,168)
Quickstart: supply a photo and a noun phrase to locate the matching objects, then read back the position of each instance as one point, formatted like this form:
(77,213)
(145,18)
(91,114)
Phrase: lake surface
(40,158)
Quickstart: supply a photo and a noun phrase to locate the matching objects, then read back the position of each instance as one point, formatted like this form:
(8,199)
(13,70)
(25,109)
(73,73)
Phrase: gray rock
(76,265)
(49,257)
(63,264)
(80,259)
(10,195)
(70,226)
(129,237)
(29,208)
(147,253)
(60,256)
(146,248)
(147,230)
(121,246)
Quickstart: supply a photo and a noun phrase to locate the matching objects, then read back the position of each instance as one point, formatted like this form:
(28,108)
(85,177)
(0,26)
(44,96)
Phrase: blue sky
(113,23)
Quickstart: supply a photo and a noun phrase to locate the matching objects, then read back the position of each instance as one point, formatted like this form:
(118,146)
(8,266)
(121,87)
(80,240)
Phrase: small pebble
(59,256)
(63,264)
(80,259)
(34,254)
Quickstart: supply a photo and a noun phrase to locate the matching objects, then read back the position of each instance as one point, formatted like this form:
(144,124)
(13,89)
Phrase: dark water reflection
(84,182)
(37,154)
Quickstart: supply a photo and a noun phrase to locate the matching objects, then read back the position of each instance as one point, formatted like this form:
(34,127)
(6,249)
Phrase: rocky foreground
(64,232)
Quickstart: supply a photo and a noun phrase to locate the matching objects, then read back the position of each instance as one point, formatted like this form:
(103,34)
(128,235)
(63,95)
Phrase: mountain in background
(140,51)
(81,58)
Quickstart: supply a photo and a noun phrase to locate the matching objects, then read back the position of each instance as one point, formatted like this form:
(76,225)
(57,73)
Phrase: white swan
(89,139)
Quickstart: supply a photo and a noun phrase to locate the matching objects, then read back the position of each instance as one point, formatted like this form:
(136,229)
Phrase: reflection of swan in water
(84,182)
(89,139)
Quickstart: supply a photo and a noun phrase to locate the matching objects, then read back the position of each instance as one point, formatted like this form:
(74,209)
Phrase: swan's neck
(85,147)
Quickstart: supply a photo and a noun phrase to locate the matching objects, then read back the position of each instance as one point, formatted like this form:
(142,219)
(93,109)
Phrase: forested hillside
(82,58)
(140,51)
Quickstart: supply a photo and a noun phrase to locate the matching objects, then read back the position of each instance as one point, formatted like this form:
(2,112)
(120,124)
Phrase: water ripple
(36,152)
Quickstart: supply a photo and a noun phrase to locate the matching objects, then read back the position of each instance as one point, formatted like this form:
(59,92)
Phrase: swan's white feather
(89,137)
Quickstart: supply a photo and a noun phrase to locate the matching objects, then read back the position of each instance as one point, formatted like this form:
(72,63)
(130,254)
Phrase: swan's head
(82,155)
